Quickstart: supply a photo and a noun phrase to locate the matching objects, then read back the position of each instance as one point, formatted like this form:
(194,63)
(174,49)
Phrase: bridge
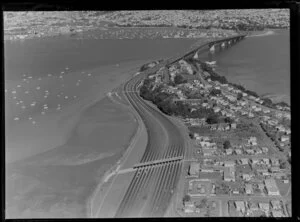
(157,162)
(219,43)
(212,45)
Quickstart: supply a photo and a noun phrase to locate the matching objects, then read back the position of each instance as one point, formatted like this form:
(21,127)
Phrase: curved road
(151,189)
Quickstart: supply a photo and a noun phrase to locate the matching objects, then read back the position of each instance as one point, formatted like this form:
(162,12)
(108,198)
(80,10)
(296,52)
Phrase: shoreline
(112,173)
(89,31)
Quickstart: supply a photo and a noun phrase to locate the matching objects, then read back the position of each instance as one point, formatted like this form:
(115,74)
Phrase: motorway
(155,181)
(152,187)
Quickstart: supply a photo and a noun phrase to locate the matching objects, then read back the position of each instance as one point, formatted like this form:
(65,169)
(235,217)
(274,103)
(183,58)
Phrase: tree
(204,201)
(228,120)
(212,119)
(186,198)
(215,92)
(282,164)
(267,102)
(226,144)
(145,93)
(179,79)
(239,96)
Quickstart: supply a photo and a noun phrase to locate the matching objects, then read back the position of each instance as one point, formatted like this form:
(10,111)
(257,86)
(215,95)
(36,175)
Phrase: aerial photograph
(147,113)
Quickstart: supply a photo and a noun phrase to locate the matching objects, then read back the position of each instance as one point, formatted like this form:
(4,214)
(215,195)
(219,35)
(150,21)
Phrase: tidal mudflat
(56,163)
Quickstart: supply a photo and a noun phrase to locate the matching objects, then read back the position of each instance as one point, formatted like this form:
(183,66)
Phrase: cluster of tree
(215,92)
(147,65)
(249,27)
(228,120)
(165,102)
(284,104)
(268,102)
(283,164)
(251,93)
(193,95)
(213,119)
(222,188)
(201,113)
(239,96)
(145,92)
(226,144)
(240,87)
(201,204)
(221,79)
(186,198)
(179,80)
(213,75)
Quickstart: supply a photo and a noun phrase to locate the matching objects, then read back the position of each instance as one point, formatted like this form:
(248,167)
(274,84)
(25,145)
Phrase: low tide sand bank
(52,129)
(81,144)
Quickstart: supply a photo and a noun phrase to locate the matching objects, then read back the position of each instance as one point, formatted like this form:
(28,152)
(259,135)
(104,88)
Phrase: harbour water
(260,63)
(56,182)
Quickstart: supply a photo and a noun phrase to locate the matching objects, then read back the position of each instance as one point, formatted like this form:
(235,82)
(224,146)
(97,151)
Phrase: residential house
(261,186)
(285,181)
(285,139)
(266,111)
(277,213)
(280,128)
(275,169)
(258,151)
(271,187)
(254,161)
(238,151)
(216,109)
(264,149)
(273,122)
(194,169)
(266,161)
(229,174)
(240,206)
(264,206)
(274,162)
(208,152)
(229,163)
(275,204)
(189,207)
(252,141)
(233,125)
(244,161)
(261,170)
(228,151)
(248,188)
(249,151)
(246,177)
(252,206)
